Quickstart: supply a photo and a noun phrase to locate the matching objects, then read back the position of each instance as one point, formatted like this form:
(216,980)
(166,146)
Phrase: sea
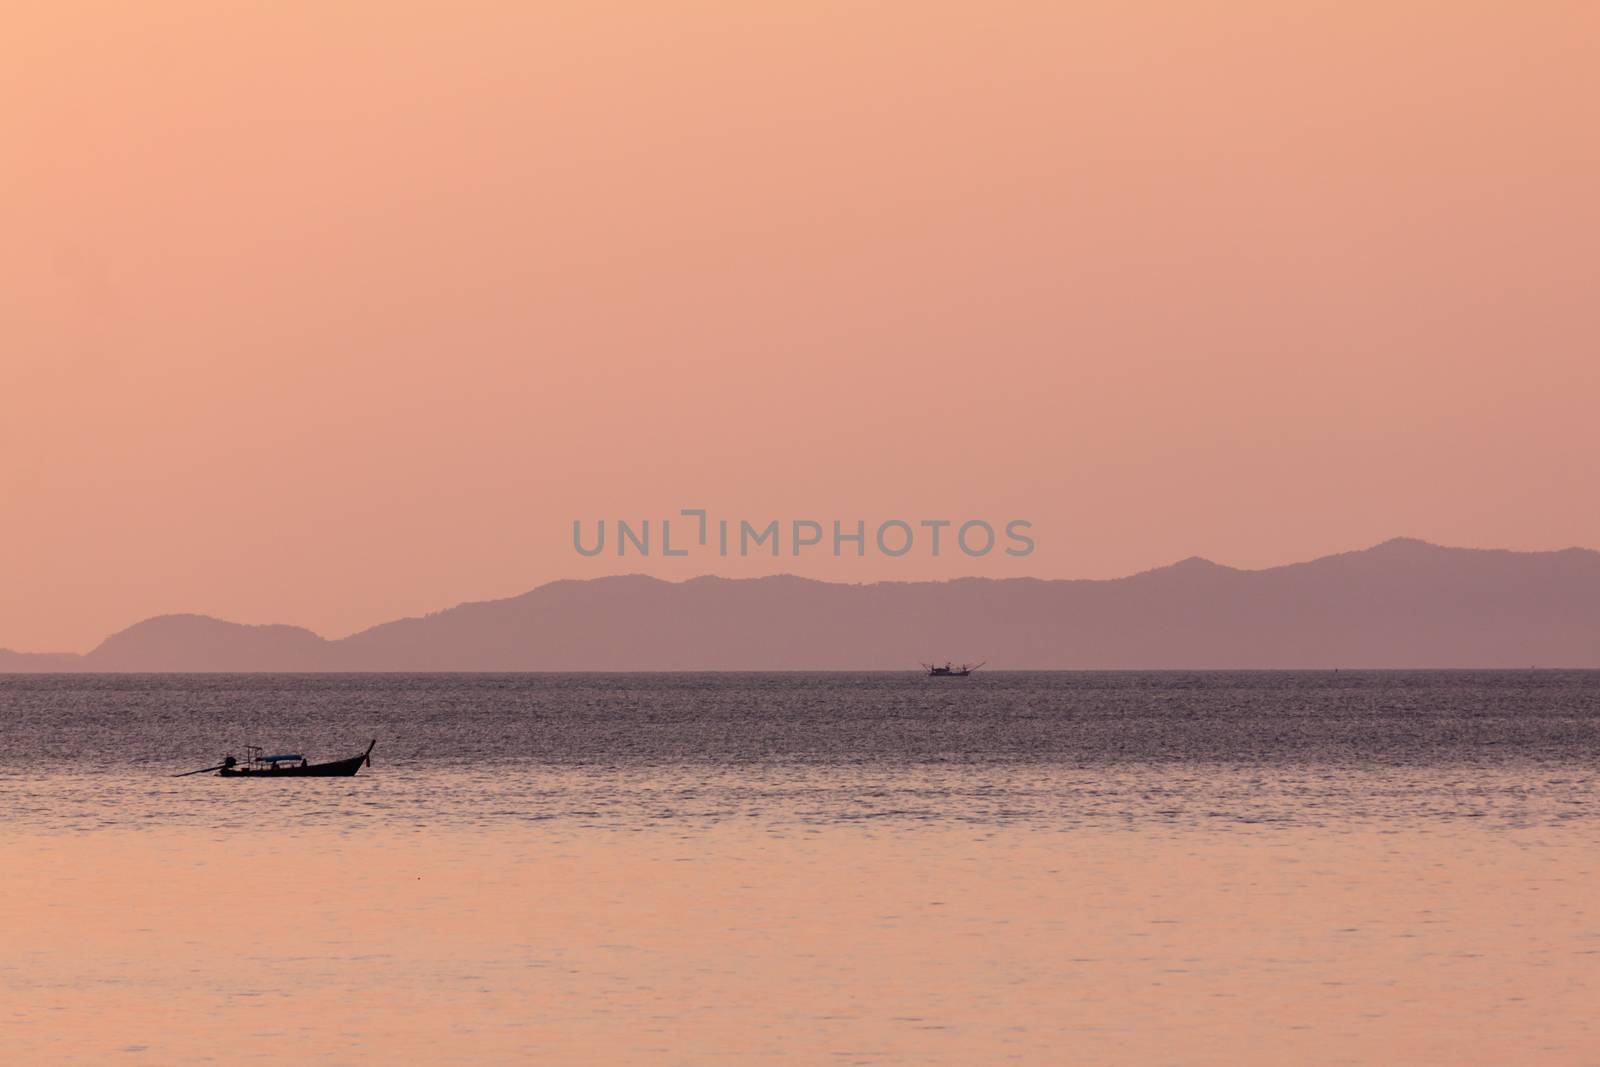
(846,868)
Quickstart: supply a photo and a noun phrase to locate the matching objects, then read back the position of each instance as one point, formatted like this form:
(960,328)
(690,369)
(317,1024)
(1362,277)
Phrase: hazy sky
(331,313)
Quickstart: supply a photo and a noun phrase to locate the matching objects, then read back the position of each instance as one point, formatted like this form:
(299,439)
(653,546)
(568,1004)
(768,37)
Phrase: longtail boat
(285,765)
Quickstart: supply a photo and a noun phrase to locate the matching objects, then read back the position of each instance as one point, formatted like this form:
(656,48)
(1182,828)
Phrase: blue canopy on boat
(282,759)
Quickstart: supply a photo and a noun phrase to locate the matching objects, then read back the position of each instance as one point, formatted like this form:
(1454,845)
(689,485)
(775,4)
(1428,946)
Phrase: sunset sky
(327,314)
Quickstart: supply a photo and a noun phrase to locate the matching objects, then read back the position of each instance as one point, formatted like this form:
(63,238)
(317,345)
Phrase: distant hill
(201,643)
(1403,603)
(42,662)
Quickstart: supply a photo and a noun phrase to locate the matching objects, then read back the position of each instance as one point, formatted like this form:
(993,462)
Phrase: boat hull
(343,768)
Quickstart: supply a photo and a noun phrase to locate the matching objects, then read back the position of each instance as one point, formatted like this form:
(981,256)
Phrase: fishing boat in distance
(285,765)
(949,670)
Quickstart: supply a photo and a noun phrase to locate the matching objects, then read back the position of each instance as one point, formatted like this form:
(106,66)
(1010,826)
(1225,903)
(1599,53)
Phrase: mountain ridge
(1401,603)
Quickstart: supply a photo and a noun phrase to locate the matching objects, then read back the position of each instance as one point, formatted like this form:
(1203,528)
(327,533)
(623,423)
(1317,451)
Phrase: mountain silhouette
(1403,603)
(14,662)
(201,643)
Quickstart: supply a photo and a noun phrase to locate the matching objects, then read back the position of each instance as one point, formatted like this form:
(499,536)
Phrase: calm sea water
(634,750)
(1128,869)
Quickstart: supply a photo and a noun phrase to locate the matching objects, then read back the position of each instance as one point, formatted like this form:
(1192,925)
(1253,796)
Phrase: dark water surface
(637,749)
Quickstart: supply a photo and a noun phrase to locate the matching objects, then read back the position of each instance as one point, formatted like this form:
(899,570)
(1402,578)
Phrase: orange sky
(331,313)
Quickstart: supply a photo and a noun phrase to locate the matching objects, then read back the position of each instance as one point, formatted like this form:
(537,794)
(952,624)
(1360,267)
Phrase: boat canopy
(286,758)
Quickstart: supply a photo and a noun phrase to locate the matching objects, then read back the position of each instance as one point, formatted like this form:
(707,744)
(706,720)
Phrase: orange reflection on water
(1442,944)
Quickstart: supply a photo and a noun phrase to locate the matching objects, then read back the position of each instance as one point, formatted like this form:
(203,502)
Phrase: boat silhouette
(949,670)
(285,765)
